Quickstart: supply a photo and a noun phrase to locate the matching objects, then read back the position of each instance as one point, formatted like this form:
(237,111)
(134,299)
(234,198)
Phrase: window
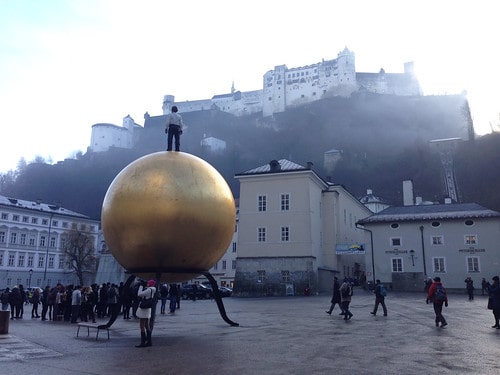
(285,276)
(31,258)
(224,264)
(65,224)
(395,241)
(13,237)
(1,259)
(262,203)
(55,223)
(2,237)
(22,240)
(51,261)
(34,220)
(394,225)
(285,202)
(61,263)
(52,242)
(32,240)
(45,221)
(437,240)
(234,247)
(261,234)
(233,264)
(20,260)
(470,239)
(5,216)
(472,264)
(469,223)
(397,264)
(285,234)
(216,266)
(438,264)
(12,259)
(261,276)
(15,217)
(26,219)
(41,261)
(42,241)
(435,224)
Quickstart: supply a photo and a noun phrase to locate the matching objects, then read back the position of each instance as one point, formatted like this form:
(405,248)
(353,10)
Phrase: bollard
(4,322)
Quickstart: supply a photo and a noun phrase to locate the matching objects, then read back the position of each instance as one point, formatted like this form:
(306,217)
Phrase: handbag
(146,303)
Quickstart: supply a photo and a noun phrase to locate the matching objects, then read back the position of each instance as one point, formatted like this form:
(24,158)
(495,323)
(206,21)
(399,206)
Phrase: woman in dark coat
(494,302)
(335,297)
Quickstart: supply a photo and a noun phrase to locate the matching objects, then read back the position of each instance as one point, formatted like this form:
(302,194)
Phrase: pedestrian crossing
(13,348)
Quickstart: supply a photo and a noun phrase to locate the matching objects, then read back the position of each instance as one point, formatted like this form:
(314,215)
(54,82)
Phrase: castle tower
(346,67)
(274,91)
(168,102)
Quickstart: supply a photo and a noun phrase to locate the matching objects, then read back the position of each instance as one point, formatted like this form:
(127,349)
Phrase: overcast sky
(68,64)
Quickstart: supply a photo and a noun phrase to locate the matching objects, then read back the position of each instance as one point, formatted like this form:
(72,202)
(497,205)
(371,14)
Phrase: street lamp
(29,281)
(412,255)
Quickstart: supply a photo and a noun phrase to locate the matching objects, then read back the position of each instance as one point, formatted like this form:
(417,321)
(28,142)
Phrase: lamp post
(412,255)
(29,281)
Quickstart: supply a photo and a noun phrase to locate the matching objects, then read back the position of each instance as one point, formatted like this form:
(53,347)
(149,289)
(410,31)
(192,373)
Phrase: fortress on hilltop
(282,88)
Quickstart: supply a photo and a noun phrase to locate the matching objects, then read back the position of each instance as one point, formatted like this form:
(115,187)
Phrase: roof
(431,212)
(282,165)
(43,207)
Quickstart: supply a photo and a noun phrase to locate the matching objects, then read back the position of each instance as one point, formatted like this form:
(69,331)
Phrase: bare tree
(79,254)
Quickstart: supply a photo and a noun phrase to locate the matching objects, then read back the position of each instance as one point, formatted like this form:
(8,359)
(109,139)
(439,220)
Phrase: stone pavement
(289,335)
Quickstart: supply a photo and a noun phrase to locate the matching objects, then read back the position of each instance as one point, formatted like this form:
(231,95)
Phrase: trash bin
(4,322)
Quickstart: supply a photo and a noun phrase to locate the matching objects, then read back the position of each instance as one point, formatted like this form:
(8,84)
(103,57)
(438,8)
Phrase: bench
(98,327)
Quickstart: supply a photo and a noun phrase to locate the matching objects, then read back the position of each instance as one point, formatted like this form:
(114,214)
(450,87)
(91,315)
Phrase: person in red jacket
(437,295)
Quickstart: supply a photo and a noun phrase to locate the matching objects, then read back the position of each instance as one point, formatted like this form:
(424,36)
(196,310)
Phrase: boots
(148,339)
(143,341)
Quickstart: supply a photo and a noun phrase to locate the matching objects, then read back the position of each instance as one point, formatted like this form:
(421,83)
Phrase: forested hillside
(382,140)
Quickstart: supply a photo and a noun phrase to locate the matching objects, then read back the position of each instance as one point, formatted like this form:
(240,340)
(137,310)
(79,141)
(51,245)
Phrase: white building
(295,231)
(408,244)
(32,235)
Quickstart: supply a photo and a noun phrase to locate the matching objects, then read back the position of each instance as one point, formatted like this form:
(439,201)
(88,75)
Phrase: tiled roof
(431,212)
(44,207)
(284,166)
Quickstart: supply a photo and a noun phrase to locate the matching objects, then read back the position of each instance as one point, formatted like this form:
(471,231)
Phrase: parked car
(224,291)
(198,291)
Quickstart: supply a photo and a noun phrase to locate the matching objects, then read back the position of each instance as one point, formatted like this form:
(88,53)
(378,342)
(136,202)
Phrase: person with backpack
(345,298)
(437,295)
(380,294)
(335,297)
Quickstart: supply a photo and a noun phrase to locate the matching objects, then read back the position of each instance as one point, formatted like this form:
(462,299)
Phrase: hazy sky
(68,64)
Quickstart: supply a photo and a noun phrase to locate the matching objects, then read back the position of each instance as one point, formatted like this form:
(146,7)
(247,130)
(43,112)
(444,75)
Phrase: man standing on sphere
(173,128)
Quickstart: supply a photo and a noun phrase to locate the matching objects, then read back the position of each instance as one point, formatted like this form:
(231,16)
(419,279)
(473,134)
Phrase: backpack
(346,292)
(440,293)
(383,291)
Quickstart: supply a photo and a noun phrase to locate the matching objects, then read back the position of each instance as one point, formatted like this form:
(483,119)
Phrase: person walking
(437,295)
(380,294)
(76,301)
(469,286)
(163,297)
(335,297)
(484,286)
(345,298)
(146,293)
(173,129)
(494,300)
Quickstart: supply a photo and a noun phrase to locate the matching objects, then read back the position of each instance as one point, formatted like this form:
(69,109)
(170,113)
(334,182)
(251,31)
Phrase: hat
(151,283)
(437,278)
(496,278)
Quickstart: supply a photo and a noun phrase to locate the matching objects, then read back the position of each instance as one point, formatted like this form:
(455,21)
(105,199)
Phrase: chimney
(447,200)
(309,165)
(274,166)
(418,200)
(408,193)
(369,192)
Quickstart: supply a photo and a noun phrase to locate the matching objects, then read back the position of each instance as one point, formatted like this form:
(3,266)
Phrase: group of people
(436,294)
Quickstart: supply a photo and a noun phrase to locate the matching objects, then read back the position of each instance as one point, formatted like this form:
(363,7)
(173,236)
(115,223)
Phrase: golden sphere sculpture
(168,211)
